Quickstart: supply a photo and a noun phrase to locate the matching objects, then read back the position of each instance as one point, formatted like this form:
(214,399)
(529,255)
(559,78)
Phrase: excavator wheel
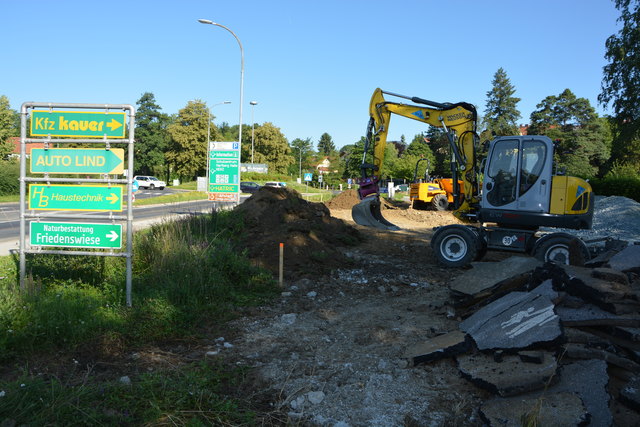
(440,202)
(455,245)
(561,248)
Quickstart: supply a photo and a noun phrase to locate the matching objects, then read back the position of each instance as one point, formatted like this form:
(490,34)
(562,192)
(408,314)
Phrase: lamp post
(253,104)
(206,151)
(207,21)
(300,151)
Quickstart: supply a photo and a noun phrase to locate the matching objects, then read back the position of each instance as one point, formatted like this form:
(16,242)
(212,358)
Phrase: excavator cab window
(533,155)
(502,169)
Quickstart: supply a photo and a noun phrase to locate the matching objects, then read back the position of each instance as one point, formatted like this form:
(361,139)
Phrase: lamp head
(253,103)
(205,21)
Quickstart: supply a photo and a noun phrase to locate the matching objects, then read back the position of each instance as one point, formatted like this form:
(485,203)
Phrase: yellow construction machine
(520,192)
(431,193)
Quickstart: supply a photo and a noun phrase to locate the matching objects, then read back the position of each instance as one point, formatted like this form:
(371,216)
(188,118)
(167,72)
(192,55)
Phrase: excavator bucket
(367,213)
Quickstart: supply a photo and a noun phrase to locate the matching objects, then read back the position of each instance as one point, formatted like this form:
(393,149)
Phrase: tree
(326,146)
(271,147)
(351,159)
(405,166)
(301,150)
(187,153)
(151,137)
(439,144)
(501,114)
(9,126)
(621,82)
(584,138)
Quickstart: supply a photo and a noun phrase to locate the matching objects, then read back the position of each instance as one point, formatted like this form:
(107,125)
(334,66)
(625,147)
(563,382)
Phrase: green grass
(10,199)
(193,395)
(187,274)
(182,196)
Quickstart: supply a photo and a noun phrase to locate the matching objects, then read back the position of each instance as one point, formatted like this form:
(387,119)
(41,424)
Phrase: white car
(149,182)
(275,184)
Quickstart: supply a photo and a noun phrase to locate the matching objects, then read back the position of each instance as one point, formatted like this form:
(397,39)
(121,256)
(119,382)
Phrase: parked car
(249,187)
(274,184)
(149,182)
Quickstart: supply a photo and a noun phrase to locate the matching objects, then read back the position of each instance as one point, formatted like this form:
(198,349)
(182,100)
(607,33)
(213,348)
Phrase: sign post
(78,124)
(85,182)
(75,197)
(77,160)
(75,235)
(224,172)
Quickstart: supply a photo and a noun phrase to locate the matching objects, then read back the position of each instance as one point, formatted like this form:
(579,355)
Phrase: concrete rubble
(554,343)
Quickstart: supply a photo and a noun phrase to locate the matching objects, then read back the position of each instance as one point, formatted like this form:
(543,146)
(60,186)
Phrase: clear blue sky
(311,65)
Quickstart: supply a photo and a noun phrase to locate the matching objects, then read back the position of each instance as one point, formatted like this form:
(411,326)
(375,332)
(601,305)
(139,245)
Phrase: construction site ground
(329,351)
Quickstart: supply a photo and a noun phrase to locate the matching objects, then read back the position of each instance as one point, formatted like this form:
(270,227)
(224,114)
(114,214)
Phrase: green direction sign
(224,171)
(75,197)
(77,160)
(78,124)
(75,235)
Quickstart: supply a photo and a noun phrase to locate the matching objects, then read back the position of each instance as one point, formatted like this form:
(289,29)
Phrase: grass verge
(187,274)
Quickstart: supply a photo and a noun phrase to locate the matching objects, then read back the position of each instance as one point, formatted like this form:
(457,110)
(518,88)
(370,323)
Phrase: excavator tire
(440,202)
(561,248)
(455,245)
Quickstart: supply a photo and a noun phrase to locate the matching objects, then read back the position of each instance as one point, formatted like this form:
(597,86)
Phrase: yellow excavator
(520,192)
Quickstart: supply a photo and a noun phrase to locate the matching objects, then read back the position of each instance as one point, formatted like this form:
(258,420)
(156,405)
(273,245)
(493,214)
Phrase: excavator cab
(520,189)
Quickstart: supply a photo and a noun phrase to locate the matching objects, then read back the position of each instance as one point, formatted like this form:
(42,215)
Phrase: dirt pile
(312,238)
(344,200)
(397,212)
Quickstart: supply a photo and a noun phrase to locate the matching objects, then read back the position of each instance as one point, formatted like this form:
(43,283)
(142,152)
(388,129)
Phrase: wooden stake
(281,269)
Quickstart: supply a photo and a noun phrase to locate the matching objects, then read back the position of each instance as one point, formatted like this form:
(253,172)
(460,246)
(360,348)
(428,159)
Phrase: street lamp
(206,152)
(253,104)
(207,21)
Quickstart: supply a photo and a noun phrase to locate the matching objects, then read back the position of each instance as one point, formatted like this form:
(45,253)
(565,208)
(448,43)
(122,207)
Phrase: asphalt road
(143,216)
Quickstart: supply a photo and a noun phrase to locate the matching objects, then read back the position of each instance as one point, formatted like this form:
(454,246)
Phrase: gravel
(614,216)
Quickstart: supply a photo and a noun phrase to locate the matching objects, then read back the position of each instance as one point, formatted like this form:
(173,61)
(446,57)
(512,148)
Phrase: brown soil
(311,237)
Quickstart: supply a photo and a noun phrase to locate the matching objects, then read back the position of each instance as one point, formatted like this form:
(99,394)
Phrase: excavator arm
(459,123)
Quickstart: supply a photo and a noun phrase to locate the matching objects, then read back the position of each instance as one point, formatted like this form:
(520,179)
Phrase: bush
(627,187)
(9,178)
(623,170)
(256,176)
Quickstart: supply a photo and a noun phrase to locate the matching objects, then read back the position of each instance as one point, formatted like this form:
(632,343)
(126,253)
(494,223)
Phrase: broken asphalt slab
(511,376)
(579,397)
(557,409)
(609,295)
(627,259)
(630,394)
(588,379)
(440,347)
(518,320)
(487,275)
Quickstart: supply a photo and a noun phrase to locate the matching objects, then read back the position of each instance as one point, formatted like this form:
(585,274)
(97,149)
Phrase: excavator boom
(459,122)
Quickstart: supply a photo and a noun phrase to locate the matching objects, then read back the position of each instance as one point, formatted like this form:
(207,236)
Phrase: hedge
(627,187)
(9,178)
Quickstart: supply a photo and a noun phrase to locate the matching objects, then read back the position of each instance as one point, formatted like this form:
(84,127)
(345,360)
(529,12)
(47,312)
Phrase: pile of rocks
(554,343)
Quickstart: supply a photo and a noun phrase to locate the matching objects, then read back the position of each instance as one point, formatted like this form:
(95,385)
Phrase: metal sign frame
(108,110)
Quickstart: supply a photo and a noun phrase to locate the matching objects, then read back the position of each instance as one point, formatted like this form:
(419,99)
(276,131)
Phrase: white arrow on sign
(112,235)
